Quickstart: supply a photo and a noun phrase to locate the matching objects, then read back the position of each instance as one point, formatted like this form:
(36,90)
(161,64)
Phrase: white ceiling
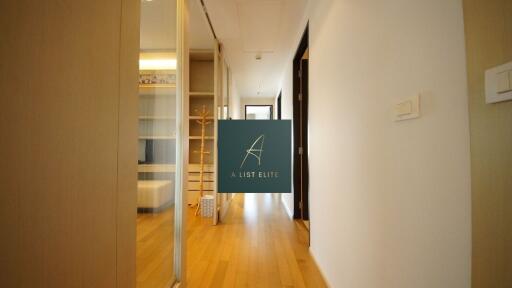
(250,27)
(244,27)
(158,26)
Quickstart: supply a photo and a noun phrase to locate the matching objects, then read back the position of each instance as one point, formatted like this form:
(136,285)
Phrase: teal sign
(254,156)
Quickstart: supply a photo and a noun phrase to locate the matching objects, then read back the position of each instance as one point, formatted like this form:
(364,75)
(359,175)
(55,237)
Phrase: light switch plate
(497,83)
(408,109)
(503,82)
(510,78)
(404,108)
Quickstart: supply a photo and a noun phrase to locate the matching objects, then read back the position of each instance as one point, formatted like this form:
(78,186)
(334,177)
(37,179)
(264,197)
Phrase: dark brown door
(300,132)
(304,169)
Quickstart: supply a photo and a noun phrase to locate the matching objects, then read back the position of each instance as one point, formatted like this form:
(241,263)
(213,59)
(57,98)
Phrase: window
(258,112)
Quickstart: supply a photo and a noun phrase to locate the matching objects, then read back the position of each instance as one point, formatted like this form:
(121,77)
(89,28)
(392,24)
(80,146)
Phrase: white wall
(287,113)
(234,101)
(389,201)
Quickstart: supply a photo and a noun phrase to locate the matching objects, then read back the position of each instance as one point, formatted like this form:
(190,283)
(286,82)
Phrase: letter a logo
(256,152)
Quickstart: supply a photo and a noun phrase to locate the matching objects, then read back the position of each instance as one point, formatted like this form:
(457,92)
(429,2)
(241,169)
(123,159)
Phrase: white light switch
(498,83)
(403,108)
(408,109)
(503,85)
(510,78)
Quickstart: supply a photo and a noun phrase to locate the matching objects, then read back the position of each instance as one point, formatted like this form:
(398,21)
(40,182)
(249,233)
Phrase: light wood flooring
(155,244)
(256,245)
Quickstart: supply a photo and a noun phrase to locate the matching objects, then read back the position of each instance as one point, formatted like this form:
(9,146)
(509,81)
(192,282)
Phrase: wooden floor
(155,243)
(256,245)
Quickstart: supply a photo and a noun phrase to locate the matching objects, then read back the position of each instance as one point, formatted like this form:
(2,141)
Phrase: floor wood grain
(256,245)
(155,243)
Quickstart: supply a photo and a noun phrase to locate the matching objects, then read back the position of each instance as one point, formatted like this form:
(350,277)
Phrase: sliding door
(159,157)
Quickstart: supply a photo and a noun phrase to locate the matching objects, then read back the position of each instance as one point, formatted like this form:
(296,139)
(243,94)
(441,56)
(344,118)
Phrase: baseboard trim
(318,266)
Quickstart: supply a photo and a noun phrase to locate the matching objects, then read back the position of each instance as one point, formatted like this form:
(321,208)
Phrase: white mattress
(154,193)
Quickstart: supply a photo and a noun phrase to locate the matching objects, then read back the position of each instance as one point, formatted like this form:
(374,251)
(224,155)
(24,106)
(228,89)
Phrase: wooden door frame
(182,105)
(301,49)
(278,108)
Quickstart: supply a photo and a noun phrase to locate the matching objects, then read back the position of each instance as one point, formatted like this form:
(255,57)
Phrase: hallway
(257,245)
(385,123)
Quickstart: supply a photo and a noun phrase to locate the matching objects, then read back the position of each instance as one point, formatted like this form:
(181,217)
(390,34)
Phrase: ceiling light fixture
(157,64)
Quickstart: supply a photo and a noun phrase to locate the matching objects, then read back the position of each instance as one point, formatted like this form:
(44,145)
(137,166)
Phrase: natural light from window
(263,112)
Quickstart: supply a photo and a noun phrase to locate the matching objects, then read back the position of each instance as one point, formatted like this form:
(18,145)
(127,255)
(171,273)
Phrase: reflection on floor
(257,245)
(155,244)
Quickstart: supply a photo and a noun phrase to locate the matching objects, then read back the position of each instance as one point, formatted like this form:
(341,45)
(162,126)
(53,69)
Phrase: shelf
(156,168)
(199,137)
(153,90)
(201,94)
(201,55)
(157,137)
(196,168)
(145,71)
(157,85)
(199,118)
(156,118)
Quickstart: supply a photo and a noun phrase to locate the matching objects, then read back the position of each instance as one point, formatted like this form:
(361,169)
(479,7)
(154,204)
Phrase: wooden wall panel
(200,78)
(488,25)
(128,144)
(60,96)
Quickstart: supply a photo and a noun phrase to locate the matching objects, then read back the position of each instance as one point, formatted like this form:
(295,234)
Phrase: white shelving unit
(202,79)
(197,118)
(157,168)
(201,94)
(199,137)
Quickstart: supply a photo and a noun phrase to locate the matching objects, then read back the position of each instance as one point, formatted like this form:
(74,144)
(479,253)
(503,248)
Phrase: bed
(154,195)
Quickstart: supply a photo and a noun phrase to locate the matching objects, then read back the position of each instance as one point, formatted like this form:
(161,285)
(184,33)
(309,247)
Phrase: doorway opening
(300,132)
(258,112)
(279,105)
